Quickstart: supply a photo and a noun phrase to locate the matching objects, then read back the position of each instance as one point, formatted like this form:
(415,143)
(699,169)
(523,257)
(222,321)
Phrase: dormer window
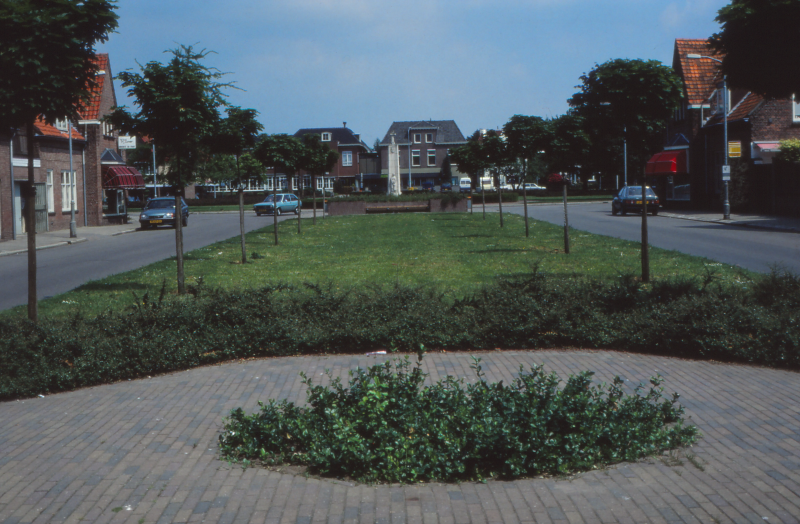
(326,137)
(61,124)
(720,102)
(795,109)
(429,138)
(417,138)
(108,129)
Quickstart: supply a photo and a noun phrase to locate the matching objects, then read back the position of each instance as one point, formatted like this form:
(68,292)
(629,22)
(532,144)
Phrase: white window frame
(347,158)
(294,183)
(795,109)
(431,152)
(61,124)
(417,138)
(415,159)
(108,129)
(51,197)
(66,182)
(429,138)
(328,182)
(326,137)
(320,183)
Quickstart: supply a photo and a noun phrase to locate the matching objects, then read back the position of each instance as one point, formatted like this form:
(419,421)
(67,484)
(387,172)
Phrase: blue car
(286,203)
(161,212)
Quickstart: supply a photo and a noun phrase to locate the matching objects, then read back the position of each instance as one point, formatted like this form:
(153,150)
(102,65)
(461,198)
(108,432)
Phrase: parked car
(428,186)
(533,187)
(629,198)
(447,186)
(286,203)
(161,212)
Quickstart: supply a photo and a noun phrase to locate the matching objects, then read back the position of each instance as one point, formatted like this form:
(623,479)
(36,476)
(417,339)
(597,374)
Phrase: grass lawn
(457,253)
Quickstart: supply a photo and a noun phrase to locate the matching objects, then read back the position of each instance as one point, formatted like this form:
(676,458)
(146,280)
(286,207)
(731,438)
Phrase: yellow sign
(734,149)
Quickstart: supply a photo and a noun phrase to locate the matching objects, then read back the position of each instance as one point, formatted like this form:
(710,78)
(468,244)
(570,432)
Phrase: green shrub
(387,427)
(756,322)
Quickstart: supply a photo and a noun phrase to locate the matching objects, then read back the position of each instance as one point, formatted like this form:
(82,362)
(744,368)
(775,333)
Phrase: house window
(795,109)
(431,157)
(294,183)
(67,188)
(429,138)
(326,137)
(415,158)
(108,129)
(328,182)
(347,158)
(417,138)
(61,124)
(320,183)
(51,198)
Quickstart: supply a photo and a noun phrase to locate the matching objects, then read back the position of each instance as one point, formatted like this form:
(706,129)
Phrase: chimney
(344,124)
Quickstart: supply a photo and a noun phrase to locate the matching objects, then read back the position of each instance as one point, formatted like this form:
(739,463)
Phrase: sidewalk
(61,237)
(756,221)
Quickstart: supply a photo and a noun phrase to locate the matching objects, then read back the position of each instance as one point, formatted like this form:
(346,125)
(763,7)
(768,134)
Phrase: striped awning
(667,163)
(122,177)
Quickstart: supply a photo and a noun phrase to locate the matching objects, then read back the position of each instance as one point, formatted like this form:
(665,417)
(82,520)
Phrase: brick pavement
(144,451)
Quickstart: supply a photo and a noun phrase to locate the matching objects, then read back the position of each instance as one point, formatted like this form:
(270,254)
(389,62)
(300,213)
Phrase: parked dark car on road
(629,198)
(161,212)
(446,187)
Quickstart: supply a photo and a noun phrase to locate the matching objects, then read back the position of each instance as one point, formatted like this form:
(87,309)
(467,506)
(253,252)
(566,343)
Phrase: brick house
(100,177)
(52,177)
(694,149)
(424,145)
(348,170)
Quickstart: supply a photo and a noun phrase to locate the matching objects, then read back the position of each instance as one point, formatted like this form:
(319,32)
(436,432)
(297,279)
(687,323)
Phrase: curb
(39,248)
(732,223)
(118,233)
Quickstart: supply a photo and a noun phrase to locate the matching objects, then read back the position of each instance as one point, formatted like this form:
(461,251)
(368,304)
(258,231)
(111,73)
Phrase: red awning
(769,147)
(667,163)
(122,177)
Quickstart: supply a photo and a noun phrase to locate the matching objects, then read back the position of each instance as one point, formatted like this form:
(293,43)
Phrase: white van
(464,184)
(487,183)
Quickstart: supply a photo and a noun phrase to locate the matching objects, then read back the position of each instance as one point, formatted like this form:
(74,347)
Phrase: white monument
(393,187)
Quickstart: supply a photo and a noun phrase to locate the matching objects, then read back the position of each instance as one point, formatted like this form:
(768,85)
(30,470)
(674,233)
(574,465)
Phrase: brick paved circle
(145,451)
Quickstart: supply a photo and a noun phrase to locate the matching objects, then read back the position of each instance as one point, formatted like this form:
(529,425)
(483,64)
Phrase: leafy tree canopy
(47,56)
(569,143)
(238,132)
(178,107)
(631,98)
(317,158)
(527,136)
(282,152)
(470,158)
(760,41)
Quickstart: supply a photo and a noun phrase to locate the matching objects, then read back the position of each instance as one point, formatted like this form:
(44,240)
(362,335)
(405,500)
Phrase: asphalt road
(64,268)
(754,249)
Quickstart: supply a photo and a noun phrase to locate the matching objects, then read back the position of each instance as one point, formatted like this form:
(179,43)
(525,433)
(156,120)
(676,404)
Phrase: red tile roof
(46,129)
(91,111)
(700,75)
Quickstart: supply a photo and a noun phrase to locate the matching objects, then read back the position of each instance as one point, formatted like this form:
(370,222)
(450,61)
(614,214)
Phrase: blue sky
(318,63)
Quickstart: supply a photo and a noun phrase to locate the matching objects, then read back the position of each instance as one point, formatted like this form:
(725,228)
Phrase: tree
(318,159)
(634,97)
(178,107)
(470,159)
(760,44)
(235,134)
(284,154)
(47,69)
(497,156)
(446,171)
(528,137)
(631,98)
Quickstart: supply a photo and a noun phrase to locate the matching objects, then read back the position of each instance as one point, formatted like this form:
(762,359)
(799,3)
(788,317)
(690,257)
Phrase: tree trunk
(500,200)
(483,200)
(30,212)
(566,220)
(314,192)
(299,208)
(645,249)
(275,207)
(179,232)
(241,223)
(525,207)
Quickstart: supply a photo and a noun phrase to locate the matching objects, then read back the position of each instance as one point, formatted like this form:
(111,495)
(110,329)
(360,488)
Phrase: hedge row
(757,323)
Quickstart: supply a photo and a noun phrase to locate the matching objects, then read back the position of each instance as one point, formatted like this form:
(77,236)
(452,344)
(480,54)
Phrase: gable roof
(91,109)
(45,129)
(341,135)
(700,75)
(746,106)
(447,132)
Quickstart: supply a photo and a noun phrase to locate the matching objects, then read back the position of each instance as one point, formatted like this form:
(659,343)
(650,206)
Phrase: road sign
(726,173)
(127,142)
(734,149)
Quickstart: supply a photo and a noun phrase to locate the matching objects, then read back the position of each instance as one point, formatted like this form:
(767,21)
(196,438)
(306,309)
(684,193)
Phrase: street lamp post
(726,206)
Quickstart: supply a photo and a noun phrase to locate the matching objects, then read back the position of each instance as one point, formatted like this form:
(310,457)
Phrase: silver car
(161,212)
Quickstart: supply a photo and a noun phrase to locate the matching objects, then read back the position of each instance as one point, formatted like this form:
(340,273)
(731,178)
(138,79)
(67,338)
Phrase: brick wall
(773,121)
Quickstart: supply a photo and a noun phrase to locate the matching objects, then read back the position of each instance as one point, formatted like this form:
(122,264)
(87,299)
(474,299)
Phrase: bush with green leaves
(754,322)
(389,427)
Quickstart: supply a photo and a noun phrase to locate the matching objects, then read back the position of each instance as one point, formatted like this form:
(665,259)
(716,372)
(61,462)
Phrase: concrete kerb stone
(39,248)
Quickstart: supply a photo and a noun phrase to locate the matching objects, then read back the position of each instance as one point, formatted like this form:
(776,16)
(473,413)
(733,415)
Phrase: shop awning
(769,147)
(122,177)
(667,163)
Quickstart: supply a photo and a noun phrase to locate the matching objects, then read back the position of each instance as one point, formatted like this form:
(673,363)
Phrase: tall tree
(236,134)
(528,137)
(317,160)
(760,43)
(47,69)
(178,107)
(284,154)
(635,97)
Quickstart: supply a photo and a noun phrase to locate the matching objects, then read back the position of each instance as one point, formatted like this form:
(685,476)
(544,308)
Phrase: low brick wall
(433,205)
